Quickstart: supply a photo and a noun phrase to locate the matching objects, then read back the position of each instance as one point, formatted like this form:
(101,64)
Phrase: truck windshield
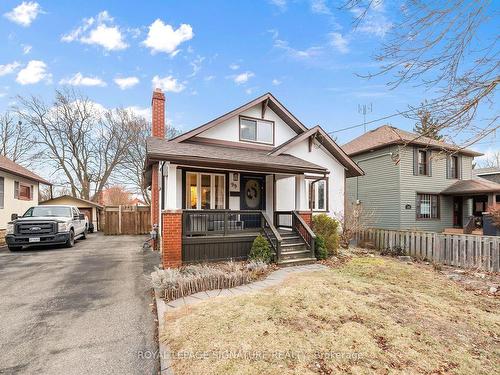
(46,211)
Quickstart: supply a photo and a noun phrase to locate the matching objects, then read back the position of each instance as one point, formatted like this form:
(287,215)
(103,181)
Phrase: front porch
(472,201)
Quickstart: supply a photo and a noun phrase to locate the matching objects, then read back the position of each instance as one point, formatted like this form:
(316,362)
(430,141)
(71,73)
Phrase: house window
(427,206)
(497,198)
(317,195)
(254,130)
(453,163)
(422,162)
(205,191)
(23,191)
(1,192)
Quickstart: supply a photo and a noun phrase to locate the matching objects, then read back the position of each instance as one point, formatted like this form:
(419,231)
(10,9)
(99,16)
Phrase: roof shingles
(9,166)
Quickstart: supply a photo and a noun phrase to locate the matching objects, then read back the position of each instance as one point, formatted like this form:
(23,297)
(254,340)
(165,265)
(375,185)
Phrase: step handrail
(274,237)
(301,227)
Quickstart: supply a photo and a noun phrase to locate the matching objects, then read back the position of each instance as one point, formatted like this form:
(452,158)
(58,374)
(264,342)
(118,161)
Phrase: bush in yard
(320,248)
(395,251)
(327,227)
(260,250)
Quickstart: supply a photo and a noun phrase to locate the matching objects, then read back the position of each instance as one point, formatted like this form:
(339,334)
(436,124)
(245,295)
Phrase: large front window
(317,194)
(453,165)
(427,206)
(422,162)
(254,130)
(205,191)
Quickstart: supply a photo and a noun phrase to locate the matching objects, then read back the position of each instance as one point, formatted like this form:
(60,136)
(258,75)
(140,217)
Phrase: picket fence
(460,250)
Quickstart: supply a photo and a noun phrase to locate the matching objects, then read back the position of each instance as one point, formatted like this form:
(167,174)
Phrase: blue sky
(209,57)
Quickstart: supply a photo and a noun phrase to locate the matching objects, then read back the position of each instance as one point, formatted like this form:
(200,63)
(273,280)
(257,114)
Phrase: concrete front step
(295,254)
(296,262)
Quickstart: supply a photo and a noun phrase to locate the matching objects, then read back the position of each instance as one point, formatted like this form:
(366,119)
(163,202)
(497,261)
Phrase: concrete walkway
(274,278)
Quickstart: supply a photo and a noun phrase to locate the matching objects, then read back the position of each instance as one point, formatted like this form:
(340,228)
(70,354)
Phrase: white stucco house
(18,189)
(254,169)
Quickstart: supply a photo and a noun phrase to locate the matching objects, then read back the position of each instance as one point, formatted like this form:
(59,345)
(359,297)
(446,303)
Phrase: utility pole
(363,109)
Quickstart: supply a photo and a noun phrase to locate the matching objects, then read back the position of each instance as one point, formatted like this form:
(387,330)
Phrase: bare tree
(355,219)
(491,161)
(115,196)
(16,141)
(427,125)
(83,142)
(443,47)
(132,169)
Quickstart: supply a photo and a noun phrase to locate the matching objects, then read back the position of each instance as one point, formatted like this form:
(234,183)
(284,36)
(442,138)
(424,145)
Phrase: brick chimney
(158,115)
(158,130)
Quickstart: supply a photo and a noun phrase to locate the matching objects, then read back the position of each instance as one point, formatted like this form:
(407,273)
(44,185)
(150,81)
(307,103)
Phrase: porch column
(171,241)
(172,187)
(301,198)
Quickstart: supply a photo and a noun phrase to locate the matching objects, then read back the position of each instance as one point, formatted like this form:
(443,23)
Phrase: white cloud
(163,38)
(281,4)
(373,22)
(34,72)
(79,80)
(8,68)
(242,77)
(99,30)
(126,82)
(25,13)
(167,84)
(339,42)
(276,82)
(140,111)
(320,7)
(196,65)
(209,78)
(27,49)
(297,53)
(234,66)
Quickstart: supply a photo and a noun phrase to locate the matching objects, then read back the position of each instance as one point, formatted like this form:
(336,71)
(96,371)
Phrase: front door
(253,193)
(458,212)
(252,197)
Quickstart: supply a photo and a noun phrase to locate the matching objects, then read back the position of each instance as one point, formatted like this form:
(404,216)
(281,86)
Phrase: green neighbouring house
(415,182)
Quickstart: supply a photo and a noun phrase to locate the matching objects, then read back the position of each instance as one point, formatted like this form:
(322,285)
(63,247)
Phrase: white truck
(46,225)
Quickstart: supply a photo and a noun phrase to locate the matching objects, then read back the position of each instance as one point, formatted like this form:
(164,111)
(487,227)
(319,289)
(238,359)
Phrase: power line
(371,122)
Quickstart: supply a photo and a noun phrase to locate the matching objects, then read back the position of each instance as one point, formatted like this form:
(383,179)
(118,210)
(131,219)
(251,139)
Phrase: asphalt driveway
(84,310)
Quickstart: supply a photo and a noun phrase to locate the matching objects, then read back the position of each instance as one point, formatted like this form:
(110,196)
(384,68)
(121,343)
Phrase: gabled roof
(224,157)
(9,166)
(388,135)
(475,186)
(267,99)
(66,196)
(326,141)
(485,171)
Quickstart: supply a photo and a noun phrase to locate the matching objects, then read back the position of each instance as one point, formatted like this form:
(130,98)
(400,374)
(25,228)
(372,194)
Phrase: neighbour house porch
(473,200)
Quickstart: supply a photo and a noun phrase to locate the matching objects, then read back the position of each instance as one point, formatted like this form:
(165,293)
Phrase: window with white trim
(427,206)
(254,130)
(317,197)
(205,191)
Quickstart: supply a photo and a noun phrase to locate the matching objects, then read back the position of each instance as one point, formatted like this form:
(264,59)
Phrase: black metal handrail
(272,235)
(304,231)
(470,225)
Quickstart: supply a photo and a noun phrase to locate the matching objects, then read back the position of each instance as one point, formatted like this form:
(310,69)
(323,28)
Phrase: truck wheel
(15,248)
(71,240)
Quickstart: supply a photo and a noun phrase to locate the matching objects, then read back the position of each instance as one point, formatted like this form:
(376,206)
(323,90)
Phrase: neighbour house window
(427,206)
(317,195)
(23,191)
(497,198)
(422,162)
(254,130)
(205,191)
(453,167)
(1,192)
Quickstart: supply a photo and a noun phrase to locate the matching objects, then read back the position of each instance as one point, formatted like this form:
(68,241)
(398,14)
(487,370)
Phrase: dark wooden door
(252,197)
(458,210)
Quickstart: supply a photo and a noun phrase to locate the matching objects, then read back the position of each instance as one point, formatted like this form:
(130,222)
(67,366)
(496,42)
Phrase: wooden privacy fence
(126,219)
(452,249)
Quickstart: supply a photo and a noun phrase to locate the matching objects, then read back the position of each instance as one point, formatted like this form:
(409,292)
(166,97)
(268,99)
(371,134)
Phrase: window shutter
(448,166)
(1,192)
(16,190)
(31,192)
(417,208)
(459,166)
(429,162)
(415,161)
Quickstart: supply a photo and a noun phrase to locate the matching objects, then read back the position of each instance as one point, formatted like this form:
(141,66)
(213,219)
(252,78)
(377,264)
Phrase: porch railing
(292,220)
(198,223)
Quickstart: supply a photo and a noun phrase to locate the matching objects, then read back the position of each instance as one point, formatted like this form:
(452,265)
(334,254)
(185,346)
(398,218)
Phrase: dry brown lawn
(372,315)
